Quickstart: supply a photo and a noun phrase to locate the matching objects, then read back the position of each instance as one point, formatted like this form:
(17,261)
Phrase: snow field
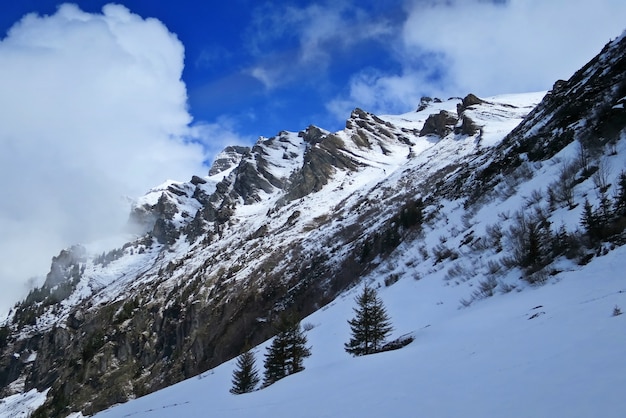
(549,351)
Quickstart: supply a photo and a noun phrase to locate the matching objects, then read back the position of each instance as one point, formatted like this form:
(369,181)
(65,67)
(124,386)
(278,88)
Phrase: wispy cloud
(454,47)
(93,110)
(309,38)
(217,135)
(211,56)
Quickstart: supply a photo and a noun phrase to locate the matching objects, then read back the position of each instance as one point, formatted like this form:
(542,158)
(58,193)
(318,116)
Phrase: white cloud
(93,109)
(382,93)
(218,135)
(455,47)
(317,31)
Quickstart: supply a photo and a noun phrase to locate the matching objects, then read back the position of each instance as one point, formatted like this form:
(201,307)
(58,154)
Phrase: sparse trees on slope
(245,376)
(370,326)
(286,354)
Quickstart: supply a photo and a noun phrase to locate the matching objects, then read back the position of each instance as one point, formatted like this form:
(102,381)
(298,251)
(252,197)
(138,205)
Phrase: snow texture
(550,351)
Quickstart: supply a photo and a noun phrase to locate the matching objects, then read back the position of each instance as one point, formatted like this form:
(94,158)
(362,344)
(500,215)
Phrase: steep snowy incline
(548,351)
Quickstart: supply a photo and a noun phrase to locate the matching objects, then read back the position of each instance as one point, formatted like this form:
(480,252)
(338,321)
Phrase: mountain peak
(228,158)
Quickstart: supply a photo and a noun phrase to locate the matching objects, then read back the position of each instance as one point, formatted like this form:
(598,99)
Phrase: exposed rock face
(425,102)
(445,122)
(469,100)
(195,180)
(323,156)
(440,124)
(63,263)
(230,157)
(467,127)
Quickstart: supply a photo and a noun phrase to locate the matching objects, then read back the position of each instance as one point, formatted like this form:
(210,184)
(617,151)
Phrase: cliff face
(286,225)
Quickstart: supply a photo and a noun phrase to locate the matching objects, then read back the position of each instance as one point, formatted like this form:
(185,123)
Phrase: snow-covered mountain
(444,207)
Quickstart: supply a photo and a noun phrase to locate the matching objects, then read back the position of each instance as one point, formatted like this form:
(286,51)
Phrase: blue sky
(268,66)
(101,102)
(225,42)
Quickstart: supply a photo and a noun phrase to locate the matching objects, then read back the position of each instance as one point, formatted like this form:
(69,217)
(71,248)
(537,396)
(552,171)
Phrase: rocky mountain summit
(288,224)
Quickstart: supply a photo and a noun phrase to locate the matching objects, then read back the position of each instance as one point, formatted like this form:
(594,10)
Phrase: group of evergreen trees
(284,357)
(608,220)
(370,328)
(535,244)
(286,354)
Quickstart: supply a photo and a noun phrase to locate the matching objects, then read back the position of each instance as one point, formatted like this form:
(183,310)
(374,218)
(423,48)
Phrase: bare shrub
(494,236)
(562,191)
(584,158)
(601,177)
(479,244)
(391,279)
(442,252)
(465,302)
(508,188)
(457,270)
(506,287)
(524,172)
(423,252)
(535,198)
(530,241)
(308,326)
(466,218)
(485,288)
(509,262)
(493,267)
(537,278)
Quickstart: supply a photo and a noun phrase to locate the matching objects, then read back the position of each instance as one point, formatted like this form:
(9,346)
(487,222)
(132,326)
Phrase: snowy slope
(550,351)
(389,172)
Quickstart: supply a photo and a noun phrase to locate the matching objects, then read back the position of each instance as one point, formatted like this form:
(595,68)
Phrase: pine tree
(371,325)
(245,376)
(590,221)
(296,349)
(287,353)
(620,198)
(275,361)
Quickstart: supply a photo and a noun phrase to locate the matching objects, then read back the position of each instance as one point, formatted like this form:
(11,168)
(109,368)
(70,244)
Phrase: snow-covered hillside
(494,228)
(552,351)
(528,350)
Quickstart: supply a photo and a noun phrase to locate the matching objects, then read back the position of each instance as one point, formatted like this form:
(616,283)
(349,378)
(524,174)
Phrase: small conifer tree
(245,376)
(370,326)
(275,361)
(591,222)
(286,354)
(620,198)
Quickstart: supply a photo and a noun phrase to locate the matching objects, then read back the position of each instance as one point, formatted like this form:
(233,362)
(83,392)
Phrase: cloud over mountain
(93,110)
(488,47)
